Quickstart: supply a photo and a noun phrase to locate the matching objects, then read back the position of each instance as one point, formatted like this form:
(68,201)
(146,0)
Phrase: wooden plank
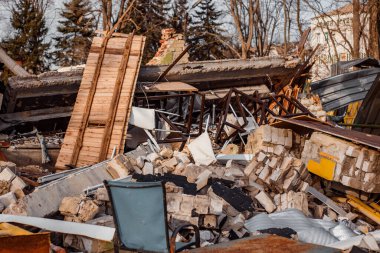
(104,89)
(115,101)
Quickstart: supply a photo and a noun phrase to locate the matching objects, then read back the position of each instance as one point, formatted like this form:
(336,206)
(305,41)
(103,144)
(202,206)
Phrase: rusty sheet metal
(354,136)
(264,244)
(34,243)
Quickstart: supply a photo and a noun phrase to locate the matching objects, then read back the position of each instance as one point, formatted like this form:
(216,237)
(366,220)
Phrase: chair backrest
(139,211)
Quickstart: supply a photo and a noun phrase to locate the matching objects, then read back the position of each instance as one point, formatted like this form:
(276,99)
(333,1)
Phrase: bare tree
(255,22)
(374,28)
(356,28)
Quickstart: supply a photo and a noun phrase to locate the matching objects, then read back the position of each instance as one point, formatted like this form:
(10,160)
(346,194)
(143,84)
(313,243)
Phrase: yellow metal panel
(325,168)
(9,229)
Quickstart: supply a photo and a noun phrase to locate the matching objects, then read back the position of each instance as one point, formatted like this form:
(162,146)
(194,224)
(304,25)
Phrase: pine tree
(180,14)
(206,33)
(27,42)
(76,30)
(149,18)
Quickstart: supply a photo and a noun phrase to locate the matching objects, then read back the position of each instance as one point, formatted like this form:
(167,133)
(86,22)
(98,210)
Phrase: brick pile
(356,166)
(314,105)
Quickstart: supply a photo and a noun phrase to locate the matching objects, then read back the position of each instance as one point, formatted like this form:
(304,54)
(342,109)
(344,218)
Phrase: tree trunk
(374,28)
(12,65)
(356,28)
(299,24)
(285,28)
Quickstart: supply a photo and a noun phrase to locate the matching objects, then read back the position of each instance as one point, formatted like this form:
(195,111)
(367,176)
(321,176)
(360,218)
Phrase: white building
(333,32)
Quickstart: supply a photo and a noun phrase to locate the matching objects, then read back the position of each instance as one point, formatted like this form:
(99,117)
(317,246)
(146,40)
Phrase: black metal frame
(259,108)
(169,244)
(184,127)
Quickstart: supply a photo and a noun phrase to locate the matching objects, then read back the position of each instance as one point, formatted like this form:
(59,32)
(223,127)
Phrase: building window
(327,36)
(318,37)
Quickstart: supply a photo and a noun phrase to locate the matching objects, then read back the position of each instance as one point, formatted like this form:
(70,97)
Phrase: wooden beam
(14,119)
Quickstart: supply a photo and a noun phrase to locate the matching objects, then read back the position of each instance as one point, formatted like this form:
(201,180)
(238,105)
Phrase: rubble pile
(221,198)
(15,182)
(33,141)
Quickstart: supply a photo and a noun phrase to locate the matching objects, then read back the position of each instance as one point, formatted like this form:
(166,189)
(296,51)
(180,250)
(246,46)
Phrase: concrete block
(17,183)
(360,160)
(289,138)
(251,167)
(202,179)
(201,204)
(152,157)
(286,163)
(206,235)
(87,210)
(187,204)
(261,157)
(70,206)
(170,163)
(235,223)
(352,151)
(140,161)
(148,168)
(172,188)
(352,182)
(8,199)
(369,177)
(279,150)
(275,135)
(209,221)
(234,172)
(7,175)
(267,133)
(264,174)
(173,202)
(273,162)
(119,166)
(265,201)
(182,157)
(166,153)
(101,194)
(216,206)
(19,193)
(368,166)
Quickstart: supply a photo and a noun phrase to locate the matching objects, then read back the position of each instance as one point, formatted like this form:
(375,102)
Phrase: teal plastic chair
(139,212)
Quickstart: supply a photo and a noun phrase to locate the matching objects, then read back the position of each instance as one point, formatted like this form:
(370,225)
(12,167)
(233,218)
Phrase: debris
(265,201)
(97,232)
(201,150)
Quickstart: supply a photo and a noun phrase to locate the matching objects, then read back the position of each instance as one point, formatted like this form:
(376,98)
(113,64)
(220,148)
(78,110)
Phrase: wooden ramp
(99,120)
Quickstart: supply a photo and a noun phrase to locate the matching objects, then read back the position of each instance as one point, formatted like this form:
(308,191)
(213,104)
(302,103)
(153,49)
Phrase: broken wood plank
(103,103)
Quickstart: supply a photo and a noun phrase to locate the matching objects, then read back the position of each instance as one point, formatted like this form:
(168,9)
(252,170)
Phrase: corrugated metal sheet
(366,62)
(369,113)
(341,90)
(308,230)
